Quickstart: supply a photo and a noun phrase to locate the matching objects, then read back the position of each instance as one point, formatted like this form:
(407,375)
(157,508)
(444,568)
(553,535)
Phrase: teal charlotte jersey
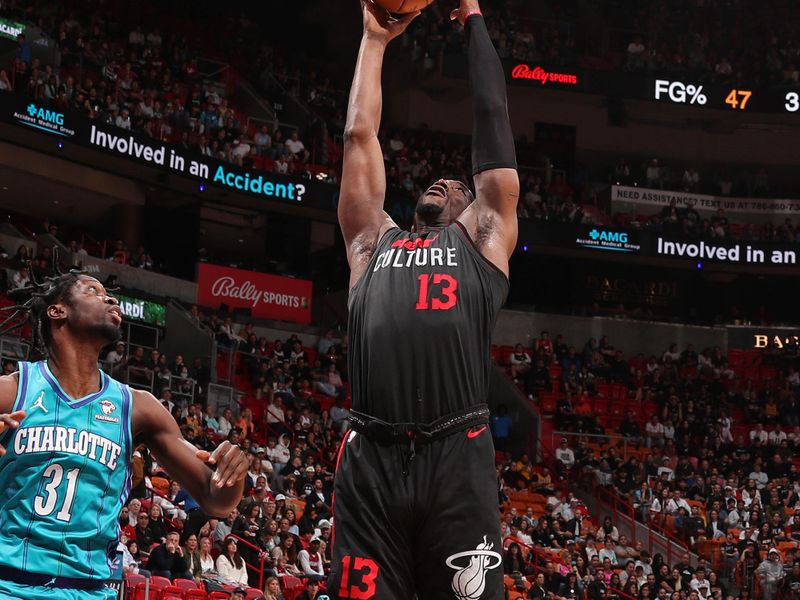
(65,477)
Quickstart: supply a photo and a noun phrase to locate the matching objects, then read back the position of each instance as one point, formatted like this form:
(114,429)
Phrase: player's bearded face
(441,203)
(101,318)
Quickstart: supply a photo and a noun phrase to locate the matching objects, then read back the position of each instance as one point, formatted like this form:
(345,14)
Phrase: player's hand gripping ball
(402,7)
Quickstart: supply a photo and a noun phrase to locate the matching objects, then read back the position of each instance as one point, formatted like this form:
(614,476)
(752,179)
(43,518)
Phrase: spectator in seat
(272,589)
(676,502)
(653,176)
(319,499)
(263,141)
(565,456)
(597,588)
(758,476)
(167,560)
(771,573)
(230,565)
(654,433)
(296,147)
(630,428)
(123,120)
(20,279)
(544,343)
(636,60)
(520,362)
(310,560)
(143,532)
(312,590)
(158,526)
(113,359)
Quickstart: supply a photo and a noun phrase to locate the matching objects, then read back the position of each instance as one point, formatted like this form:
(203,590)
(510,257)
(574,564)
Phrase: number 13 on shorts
(358,578)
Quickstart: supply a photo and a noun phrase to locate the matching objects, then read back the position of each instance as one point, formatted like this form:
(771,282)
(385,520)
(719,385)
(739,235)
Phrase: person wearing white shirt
(311,560)
(654,431)
(669,430)
(114,357)
(20,279)
(759,436)
(565,455)
(676,502)
(206,559)
(230,565)
(225,422)
(607,551)
(759,477)
(294,144)
(520,361)
(666,469)
(776,436)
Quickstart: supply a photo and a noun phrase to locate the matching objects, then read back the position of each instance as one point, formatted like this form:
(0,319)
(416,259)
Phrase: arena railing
(140,378)
(657,537)
(13,349)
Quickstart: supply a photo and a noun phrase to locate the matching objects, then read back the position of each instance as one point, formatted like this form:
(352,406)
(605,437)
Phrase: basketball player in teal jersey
(67,432)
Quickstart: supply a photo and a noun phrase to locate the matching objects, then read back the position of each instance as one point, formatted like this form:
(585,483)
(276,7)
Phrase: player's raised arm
(217,492)
(363,187)
(494,161)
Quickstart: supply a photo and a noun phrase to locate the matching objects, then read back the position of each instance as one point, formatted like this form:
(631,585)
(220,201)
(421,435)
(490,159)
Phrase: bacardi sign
(543,76)
(267,296)
(762,338)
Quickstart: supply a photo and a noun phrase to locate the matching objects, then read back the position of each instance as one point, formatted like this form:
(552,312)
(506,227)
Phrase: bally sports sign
(267,296)
(542,76)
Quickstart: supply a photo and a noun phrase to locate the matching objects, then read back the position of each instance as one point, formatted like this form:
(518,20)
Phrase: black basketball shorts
(428,529)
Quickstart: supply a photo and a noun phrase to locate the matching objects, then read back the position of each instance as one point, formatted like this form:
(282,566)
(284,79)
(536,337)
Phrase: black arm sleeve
(492,139)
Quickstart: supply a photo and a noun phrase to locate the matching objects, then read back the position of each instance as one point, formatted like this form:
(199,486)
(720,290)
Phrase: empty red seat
(599,405)
(186,584)
(547,402)
(619,392)
(172,592)
(604,389)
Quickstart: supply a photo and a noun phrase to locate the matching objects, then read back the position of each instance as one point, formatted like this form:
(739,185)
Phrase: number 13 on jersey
(437,292)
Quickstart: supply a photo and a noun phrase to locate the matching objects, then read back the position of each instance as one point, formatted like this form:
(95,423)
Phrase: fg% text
(680,92)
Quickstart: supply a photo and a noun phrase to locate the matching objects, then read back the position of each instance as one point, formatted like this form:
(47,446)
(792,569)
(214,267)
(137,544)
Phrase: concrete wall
(139,279)
(640,336)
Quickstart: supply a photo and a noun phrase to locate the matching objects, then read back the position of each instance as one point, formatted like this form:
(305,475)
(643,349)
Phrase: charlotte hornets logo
(107,407)
(469,582)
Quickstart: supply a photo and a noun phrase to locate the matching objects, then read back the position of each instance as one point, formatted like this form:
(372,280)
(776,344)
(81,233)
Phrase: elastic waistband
(26,578)
(382,432)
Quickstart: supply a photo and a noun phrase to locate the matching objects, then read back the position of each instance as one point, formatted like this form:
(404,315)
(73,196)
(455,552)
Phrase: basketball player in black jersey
(415,506)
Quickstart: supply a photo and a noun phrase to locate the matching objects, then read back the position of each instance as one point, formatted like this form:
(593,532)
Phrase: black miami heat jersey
(420,326)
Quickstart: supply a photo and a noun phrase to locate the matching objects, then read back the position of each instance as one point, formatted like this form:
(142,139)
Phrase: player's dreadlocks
(52,290)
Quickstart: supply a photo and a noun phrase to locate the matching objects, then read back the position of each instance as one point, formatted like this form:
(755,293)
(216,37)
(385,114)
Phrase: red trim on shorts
(333,494)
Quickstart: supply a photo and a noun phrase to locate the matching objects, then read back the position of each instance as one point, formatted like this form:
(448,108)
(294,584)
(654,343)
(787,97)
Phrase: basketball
(403,6)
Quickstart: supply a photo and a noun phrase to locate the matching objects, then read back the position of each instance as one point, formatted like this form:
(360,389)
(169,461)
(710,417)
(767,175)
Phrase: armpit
(363,247)
(487,225)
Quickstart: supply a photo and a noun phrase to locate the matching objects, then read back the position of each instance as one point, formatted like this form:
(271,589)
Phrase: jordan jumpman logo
(39,403)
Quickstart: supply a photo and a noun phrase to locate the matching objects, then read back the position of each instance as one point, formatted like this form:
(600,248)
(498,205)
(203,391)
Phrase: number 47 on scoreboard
(737,99)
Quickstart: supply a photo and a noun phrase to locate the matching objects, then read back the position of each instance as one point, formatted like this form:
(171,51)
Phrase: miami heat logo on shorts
(469,581)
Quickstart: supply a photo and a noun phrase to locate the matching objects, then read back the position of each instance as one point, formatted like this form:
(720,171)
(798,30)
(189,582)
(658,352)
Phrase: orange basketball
(403,6)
